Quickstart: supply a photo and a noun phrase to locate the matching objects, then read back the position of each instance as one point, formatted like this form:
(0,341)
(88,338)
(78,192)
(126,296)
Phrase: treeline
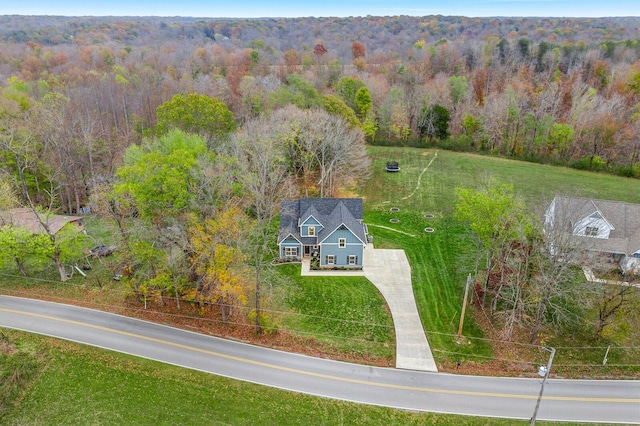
(381,33)
(556,90)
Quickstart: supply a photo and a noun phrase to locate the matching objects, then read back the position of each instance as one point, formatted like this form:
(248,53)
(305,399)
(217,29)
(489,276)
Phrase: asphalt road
(564,400)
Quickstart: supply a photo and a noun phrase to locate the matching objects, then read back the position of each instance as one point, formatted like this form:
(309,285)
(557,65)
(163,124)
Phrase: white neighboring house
(608,227)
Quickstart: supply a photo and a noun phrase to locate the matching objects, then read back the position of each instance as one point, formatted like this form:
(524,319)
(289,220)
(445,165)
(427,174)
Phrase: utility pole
(464,305)
(544,380)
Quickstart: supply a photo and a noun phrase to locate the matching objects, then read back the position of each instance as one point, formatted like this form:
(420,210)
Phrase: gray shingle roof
(624,217)
(26,218)
(330,212)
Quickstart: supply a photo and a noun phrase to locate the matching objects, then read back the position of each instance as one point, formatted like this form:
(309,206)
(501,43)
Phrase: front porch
(307,271)
(359,272)
(309,250)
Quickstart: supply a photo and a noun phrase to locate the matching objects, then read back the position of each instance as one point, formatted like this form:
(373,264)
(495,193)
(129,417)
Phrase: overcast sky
(302,8)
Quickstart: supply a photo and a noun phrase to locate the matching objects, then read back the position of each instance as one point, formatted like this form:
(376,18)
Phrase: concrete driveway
(390,272)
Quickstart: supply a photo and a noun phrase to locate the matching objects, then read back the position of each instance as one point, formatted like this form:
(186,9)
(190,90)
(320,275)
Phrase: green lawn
(347,312)
(441,260)
(537,183)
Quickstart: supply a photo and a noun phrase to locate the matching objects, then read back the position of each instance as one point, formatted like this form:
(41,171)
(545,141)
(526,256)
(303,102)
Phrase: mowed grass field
(346,313)
(442,259)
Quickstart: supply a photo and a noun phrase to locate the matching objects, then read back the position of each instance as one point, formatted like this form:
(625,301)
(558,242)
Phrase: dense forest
(544,89)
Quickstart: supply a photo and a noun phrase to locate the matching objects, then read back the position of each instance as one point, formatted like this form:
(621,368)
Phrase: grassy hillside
(442,259)
(81,385)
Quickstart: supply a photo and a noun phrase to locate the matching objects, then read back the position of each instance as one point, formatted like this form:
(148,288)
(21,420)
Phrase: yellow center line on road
(319,375)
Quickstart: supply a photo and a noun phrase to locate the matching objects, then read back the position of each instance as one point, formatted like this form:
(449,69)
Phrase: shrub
(268,323)
(593,163)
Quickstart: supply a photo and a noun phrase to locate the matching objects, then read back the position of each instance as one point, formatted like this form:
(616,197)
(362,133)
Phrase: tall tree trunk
(223,310)
(23,183)
(175,289)
(258,301)
(20,265)
(59,264)
(541,310)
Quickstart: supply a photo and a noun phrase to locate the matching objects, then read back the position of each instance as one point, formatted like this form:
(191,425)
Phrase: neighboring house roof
(26,218)
(330,212)
(623,218)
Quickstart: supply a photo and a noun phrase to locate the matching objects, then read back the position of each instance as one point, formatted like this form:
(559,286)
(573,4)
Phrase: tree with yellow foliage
(218,261)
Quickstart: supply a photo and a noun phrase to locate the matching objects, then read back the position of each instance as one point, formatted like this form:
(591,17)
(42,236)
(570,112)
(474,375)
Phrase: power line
(112,307)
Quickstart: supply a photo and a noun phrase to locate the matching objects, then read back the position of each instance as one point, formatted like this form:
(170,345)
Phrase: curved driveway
(565,400)
(389,271)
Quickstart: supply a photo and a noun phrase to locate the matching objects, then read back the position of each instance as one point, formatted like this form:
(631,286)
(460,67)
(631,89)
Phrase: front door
(307,250)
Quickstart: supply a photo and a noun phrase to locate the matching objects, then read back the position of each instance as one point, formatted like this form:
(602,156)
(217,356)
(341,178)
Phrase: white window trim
(352,260)
(342,243)
(311,231)
(591,231)
(331,259)
(288,250)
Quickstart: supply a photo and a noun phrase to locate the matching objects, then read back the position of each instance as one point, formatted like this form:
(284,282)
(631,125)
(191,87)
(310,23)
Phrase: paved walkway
(390,272)
(591,277)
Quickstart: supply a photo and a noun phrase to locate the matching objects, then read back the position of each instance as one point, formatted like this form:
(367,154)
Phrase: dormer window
(311,231)
(591,231)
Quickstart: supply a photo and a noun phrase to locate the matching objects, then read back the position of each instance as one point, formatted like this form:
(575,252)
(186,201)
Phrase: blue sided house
(330,229)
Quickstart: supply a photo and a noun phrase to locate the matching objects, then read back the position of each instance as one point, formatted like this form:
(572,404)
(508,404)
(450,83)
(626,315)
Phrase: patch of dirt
(6,347)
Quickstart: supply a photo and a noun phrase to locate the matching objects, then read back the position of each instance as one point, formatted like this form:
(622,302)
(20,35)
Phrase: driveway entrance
(390,272)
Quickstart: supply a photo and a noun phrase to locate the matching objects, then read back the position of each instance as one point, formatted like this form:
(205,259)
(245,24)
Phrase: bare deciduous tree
(322,146)
(264,174)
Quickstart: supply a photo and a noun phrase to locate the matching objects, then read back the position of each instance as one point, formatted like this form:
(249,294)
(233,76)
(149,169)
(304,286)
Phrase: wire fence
(598,360)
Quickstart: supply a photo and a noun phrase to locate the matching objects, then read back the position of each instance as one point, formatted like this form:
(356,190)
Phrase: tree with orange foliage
(358,50)
(319,51)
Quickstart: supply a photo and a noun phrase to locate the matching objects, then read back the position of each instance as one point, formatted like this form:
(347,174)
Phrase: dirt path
(420,178)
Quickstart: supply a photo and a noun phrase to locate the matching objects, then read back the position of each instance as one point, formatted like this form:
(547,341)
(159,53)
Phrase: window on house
(330,259)
(342,242)
(291,251)
(591,231)
(352,259)
(311,231)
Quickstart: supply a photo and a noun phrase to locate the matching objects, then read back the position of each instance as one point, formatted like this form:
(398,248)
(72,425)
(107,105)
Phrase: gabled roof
(288,231)
(623,218)
(341,215)
(289,216)
(330,212)
(26,218)
(310,212)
